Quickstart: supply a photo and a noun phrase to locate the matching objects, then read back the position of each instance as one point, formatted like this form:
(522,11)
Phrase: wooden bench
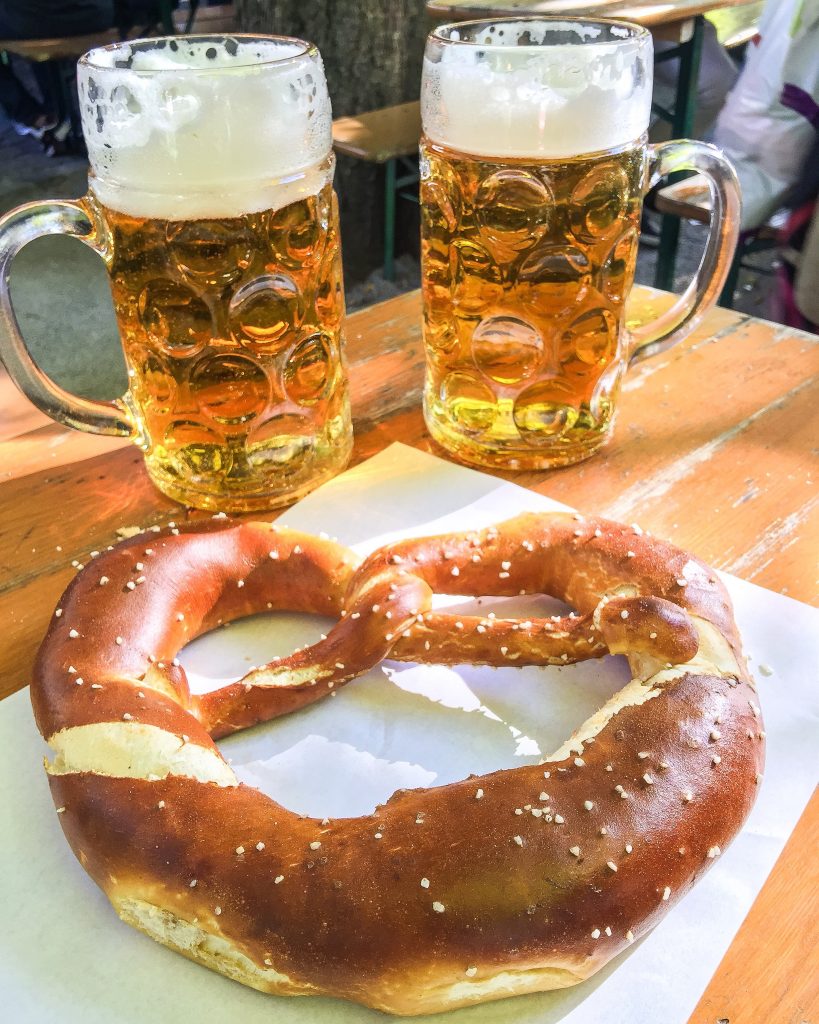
(67,48)
(220,18)
(389,136)
(380,135)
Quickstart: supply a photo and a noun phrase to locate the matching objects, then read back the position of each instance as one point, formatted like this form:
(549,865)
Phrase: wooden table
(737,25)
(665,17)
(715,448)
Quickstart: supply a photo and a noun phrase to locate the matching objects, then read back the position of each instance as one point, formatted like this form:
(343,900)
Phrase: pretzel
(519,881)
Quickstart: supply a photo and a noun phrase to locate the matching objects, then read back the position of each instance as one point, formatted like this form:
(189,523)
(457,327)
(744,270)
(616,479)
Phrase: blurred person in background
(42,19)
(770,119)
(717,76)
(769,128)
(800,240)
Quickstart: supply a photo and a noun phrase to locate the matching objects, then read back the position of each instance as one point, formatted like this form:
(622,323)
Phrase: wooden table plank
(18,417)
(715,447)
(49,447)
(770,974)
(645,12)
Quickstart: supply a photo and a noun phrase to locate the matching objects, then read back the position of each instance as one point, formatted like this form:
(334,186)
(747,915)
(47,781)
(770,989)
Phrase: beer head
(537,87)
(194,127)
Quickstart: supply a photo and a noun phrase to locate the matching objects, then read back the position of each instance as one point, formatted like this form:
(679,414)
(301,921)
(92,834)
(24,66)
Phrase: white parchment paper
(65,956)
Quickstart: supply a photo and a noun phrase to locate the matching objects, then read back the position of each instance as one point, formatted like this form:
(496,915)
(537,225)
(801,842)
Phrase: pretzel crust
(518,881)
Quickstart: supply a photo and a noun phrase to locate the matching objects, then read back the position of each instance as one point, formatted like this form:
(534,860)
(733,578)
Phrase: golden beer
(210,200)
(232,334)
(526,268)
(533,165)
(534,162)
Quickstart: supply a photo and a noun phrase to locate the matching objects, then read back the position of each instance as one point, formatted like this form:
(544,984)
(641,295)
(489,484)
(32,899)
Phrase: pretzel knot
(523,880)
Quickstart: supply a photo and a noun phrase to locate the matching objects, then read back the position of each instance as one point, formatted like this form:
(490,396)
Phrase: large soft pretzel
(519,881)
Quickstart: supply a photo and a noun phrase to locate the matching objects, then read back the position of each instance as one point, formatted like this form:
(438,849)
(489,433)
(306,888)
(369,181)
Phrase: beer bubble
(206,130)
(213,252)
(307,374)
(592,337)
(264,312)
(514,207)
(231,388)
(531,90)
(476,278)
(197,451)
(539,413)
(555,276)
(506,348)
(124,104)
(599,201)
(174,317)
(175,108)
(469,403)
(618,267)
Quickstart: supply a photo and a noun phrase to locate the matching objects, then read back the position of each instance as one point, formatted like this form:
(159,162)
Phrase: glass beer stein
(534,162)
(210,200)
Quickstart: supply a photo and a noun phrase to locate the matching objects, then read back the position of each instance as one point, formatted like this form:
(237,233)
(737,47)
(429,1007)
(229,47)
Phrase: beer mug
(534,163)
(211,202)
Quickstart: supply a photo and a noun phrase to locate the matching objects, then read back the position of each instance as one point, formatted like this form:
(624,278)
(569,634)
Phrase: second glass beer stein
(534,162)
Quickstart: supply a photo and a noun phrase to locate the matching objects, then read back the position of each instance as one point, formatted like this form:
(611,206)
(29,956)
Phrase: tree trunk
(372,51)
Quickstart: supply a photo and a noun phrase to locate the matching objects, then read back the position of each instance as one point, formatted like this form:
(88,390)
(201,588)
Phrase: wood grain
(770,974)
(715,447)
(18,417)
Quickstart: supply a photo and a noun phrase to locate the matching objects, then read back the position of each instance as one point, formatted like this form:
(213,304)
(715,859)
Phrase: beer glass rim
(306,49)
(634,32)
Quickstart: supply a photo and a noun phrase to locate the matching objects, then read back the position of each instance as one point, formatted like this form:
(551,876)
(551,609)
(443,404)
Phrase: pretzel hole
(225,654)
(520,606)
(399,725)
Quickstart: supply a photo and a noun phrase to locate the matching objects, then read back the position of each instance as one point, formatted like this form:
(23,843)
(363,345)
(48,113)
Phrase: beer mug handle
(701,294)
(17,228)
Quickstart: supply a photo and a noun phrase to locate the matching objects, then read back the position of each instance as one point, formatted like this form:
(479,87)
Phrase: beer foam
(570,88)
(204,127)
